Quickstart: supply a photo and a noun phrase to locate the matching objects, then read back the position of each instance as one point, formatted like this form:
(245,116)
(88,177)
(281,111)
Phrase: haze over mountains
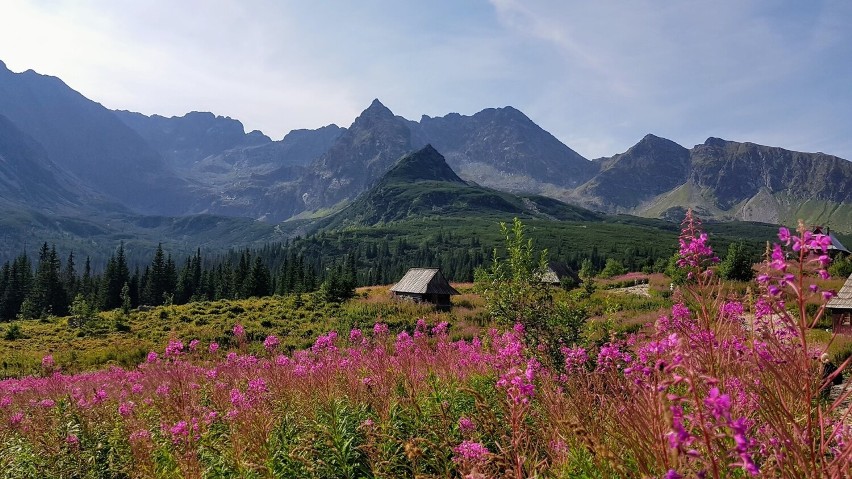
(59,150)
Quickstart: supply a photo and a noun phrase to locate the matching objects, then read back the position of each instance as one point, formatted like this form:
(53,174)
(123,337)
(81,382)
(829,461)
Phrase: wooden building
(836,247)
(425,285)
(558,274)
(840,307)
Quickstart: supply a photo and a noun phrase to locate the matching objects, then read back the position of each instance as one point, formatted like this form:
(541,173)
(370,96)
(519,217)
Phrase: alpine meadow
(493,272)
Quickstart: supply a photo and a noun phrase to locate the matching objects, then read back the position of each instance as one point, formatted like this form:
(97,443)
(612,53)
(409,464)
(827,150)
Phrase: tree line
(333,263)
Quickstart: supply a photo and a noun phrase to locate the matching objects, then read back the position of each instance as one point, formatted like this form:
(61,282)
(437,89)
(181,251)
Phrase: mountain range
(61,152)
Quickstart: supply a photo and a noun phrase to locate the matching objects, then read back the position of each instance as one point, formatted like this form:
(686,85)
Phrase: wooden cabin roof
(835,245)
(556,271)
(843,300)
(424,281)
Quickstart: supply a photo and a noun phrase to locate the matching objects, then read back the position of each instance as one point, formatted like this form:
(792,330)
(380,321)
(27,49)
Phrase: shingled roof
(556,271)
(424,281)
(835,245)
(843,300)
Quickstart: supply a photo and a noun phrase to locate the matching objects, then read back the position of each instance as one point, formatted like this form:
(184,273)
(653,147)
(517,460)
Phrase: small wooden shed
(425,285)
(836,247)
(840,307)
(557,272)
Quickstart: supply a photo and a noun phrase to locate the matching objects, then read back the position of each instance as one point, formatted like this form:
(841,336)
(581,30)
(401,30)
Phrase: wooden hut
(840,307)
(836,247)
(424,285)
(559,273)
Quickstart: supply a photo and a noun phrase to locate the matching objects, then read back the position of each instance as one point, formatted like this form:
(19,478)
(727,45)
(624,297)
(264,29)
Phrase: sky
(598,75)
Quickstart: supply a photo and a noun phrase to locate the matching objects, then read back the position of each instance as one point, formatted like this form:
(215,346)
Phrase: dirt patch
(638,290)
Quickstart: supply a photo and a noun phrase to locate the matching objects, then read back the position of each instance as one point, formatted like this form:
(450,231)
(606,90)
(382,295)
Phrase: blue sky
(599,75)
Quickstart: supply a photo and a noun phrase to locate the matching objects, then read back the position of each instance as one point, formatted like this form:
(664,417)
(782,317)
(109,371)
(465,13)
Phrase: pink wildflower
(403,342)
(16,419)
(380,329)
(466,425)
(239,331)
(469,451)
(441,329)
(325,343)
(271,342)
(719,404)
(152,357)
(575,358)
(126,408)
(213,347)
(174,348)
(47,362)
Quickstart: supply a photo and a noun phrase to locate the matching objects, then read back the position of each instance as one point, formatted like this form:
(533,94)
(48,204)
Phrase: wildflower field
(724,383)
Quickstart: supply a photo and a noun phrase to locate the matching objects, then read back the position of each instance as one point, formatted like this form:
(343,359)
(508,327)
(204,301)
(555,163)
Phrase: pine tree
(737,264)
(69,276)
(17,287)
(155,281)
(115,275)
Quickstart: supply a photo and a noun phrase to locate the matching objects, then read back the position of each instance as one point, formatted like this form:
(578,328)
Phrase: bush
(13,332)
(613,267)
(737,265)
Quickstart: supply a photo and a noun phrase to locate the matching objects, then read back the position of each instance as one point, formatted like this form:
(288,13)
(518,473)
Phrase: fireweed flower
(466,425)
(213,347)
(611,356)
(271,342)
(239,331)
(695,252)
(718,404)
(380,330)
(174,349)
(126,408)
(16,418)
(403,342)
(679,437)
(469,451)
(47,362)
(325,343)
(152,357)
(441,329)
(576,358)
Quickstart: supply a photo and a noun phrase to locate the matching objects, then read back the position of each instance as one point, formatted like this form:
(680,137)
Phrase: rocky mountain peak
(425,164)
(652,145)
(717,142)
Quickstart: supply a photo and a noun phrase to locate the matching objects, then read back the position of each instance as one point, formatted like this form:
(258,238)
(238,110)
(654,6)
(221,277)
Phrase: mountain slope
(89,141)
(184,140)
(360,156)
(27,177)
(651,167)
(503,148)
(421,184)
(722,180)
